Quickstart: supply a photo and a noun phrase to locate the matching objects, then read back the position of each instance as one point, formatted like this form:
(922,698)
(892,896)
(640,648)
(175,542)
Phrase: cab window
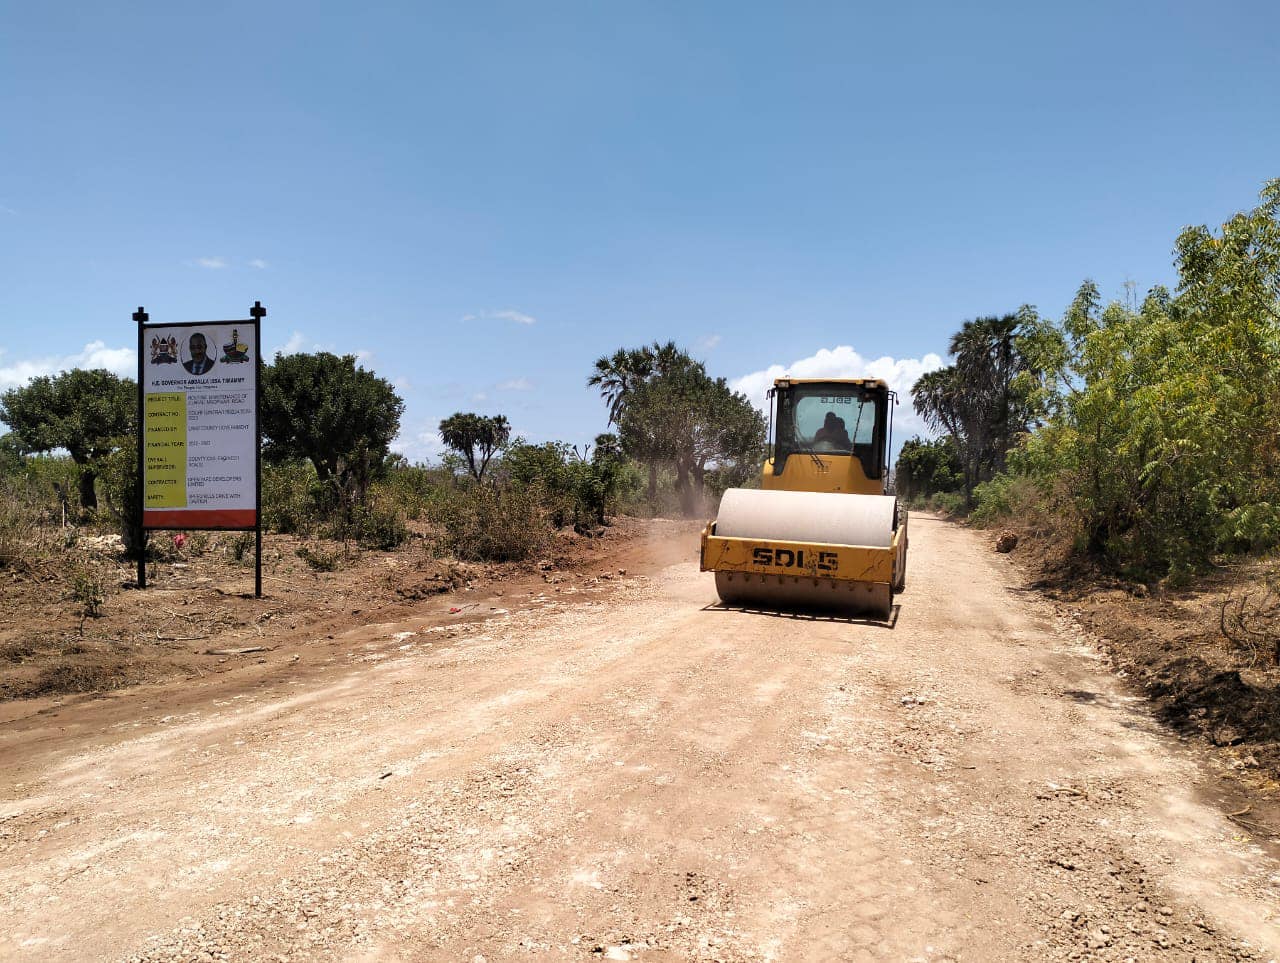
(831,422)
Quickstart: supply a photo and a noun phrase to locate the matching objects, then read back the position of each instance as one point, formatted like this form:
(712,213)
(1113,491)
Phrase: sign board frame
(257,313)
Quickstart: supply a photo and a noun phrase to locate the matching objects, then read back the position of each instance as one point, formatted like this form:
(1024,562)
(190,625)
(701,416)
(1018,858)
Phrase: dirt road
(645,777)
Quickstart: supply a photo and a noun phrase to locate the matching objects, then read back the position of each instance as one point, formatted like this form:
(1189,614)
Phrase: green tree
(476,438)
(990,394)
(119,471)
(925,468)
(85,411)
(1163,444)
(10,454)
(332,412)
(577,485)
(599,479)
(692,422)
(620,374)
(620,377)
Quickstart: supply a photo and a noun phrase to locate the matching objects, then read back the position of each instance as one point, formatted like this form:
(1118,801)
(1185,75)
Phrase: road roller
(820,532)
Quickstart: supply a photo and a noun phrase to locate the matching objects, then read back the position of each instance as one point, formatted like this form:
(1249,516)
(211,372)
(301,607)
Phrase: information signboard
(199,457)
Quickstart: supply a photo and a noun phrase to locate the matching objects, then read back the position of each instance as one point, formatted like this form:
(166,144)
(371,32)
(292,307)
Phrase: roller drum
(810,517)
(822,517)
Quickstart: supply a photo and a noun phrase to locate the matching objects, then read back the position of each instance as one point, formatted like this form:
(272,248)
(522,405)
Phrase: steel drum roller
(827,518)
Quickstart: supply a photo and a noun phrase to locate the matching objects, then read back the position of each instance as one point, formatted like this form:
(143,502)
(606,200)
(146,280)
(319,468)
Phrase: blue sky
(482,198)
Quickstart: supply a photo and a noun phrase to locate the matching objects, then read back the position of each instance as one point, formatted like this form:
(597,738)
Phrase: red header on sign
(200,518)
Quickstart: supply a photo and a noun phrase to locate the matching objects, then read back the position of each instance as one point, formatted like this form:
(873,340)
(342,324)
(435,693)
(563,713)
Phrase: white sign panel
(199,436)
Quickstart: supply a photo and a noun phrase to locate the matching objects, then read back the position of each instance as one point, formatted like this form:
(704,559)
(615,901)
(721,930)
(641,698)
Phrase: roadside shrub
(55,481)
(412,488)
(1005,497)
(947,503)
(196,544)
(288,497)
(1251,527)
(924,468)
(376,526)
(88,590)
(484,524)
(118,473)
(572,488)
(319,559)
(11,458)
(20,535)
(241,546)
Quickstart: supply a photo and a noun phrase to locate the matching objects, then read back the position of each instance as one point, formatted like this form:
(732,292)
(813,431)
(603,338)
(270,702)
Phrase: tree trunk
(133,537)
(699,486)
(684,490)
(653,484)
(699,477)
(88,496)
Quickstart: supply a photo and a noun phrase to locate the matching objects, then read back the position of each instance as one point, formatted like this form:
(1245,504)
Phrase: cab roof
(862,382)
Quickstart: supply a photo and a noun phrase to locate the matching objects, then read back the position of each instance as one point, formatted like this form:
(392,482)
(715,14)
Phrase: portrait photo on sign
(198,353)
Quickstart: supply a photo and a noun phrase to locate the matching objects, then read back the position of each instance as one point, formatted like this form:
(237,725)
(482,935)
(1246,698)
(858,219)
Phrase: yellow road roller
(820,532)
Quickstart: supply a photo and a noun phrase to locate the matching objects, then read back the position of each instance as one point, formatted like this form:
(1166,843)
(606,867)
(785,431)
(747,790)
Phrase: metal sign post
(199,428)
(257,312)
(140,316)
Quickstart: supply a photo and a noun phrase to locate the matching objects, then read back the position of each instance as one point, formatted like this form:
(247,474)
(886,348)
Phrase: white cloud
(508,315)
(300,342)
(843,362)
(419,444)
(708,342)
(218,263)
(515,316)
(516,384)
(96,354)
(295,344)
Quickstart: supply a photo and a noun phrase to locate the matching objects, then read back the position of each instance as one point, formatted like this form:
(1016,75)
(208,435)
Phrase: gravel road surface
(646,776)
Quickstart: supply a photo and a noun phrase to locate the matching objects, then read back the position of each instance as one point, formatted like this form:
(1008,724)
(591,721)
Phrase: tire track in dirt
(654,778)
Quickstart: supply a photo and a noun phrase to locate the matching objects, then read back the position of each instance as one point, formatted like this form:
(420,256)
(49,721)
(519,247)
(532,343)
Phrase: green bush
(319,559)
(571,487)
(22,537)
(926,467)
(947,503)
(88,590)
(1161,445)
(1251,527)
(375,526)
(11,457)
(484,523)
(241,547)
(412,488)
(55,480)
(1007,496)
(118,473)
(289,497)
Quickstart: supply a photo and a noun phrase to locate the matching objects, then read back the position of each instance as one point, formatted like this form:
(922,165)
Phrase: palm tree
(620,374)
(620,378)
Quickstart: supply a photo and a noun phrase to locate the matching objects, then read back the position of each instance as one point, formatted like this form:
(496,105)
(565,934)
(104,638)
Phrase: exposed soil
(1204,655)
(198,615)
(632,771)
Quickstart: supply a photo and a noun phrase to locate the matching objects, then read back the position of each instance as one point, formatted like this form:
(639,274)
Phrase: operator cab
(836,418)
